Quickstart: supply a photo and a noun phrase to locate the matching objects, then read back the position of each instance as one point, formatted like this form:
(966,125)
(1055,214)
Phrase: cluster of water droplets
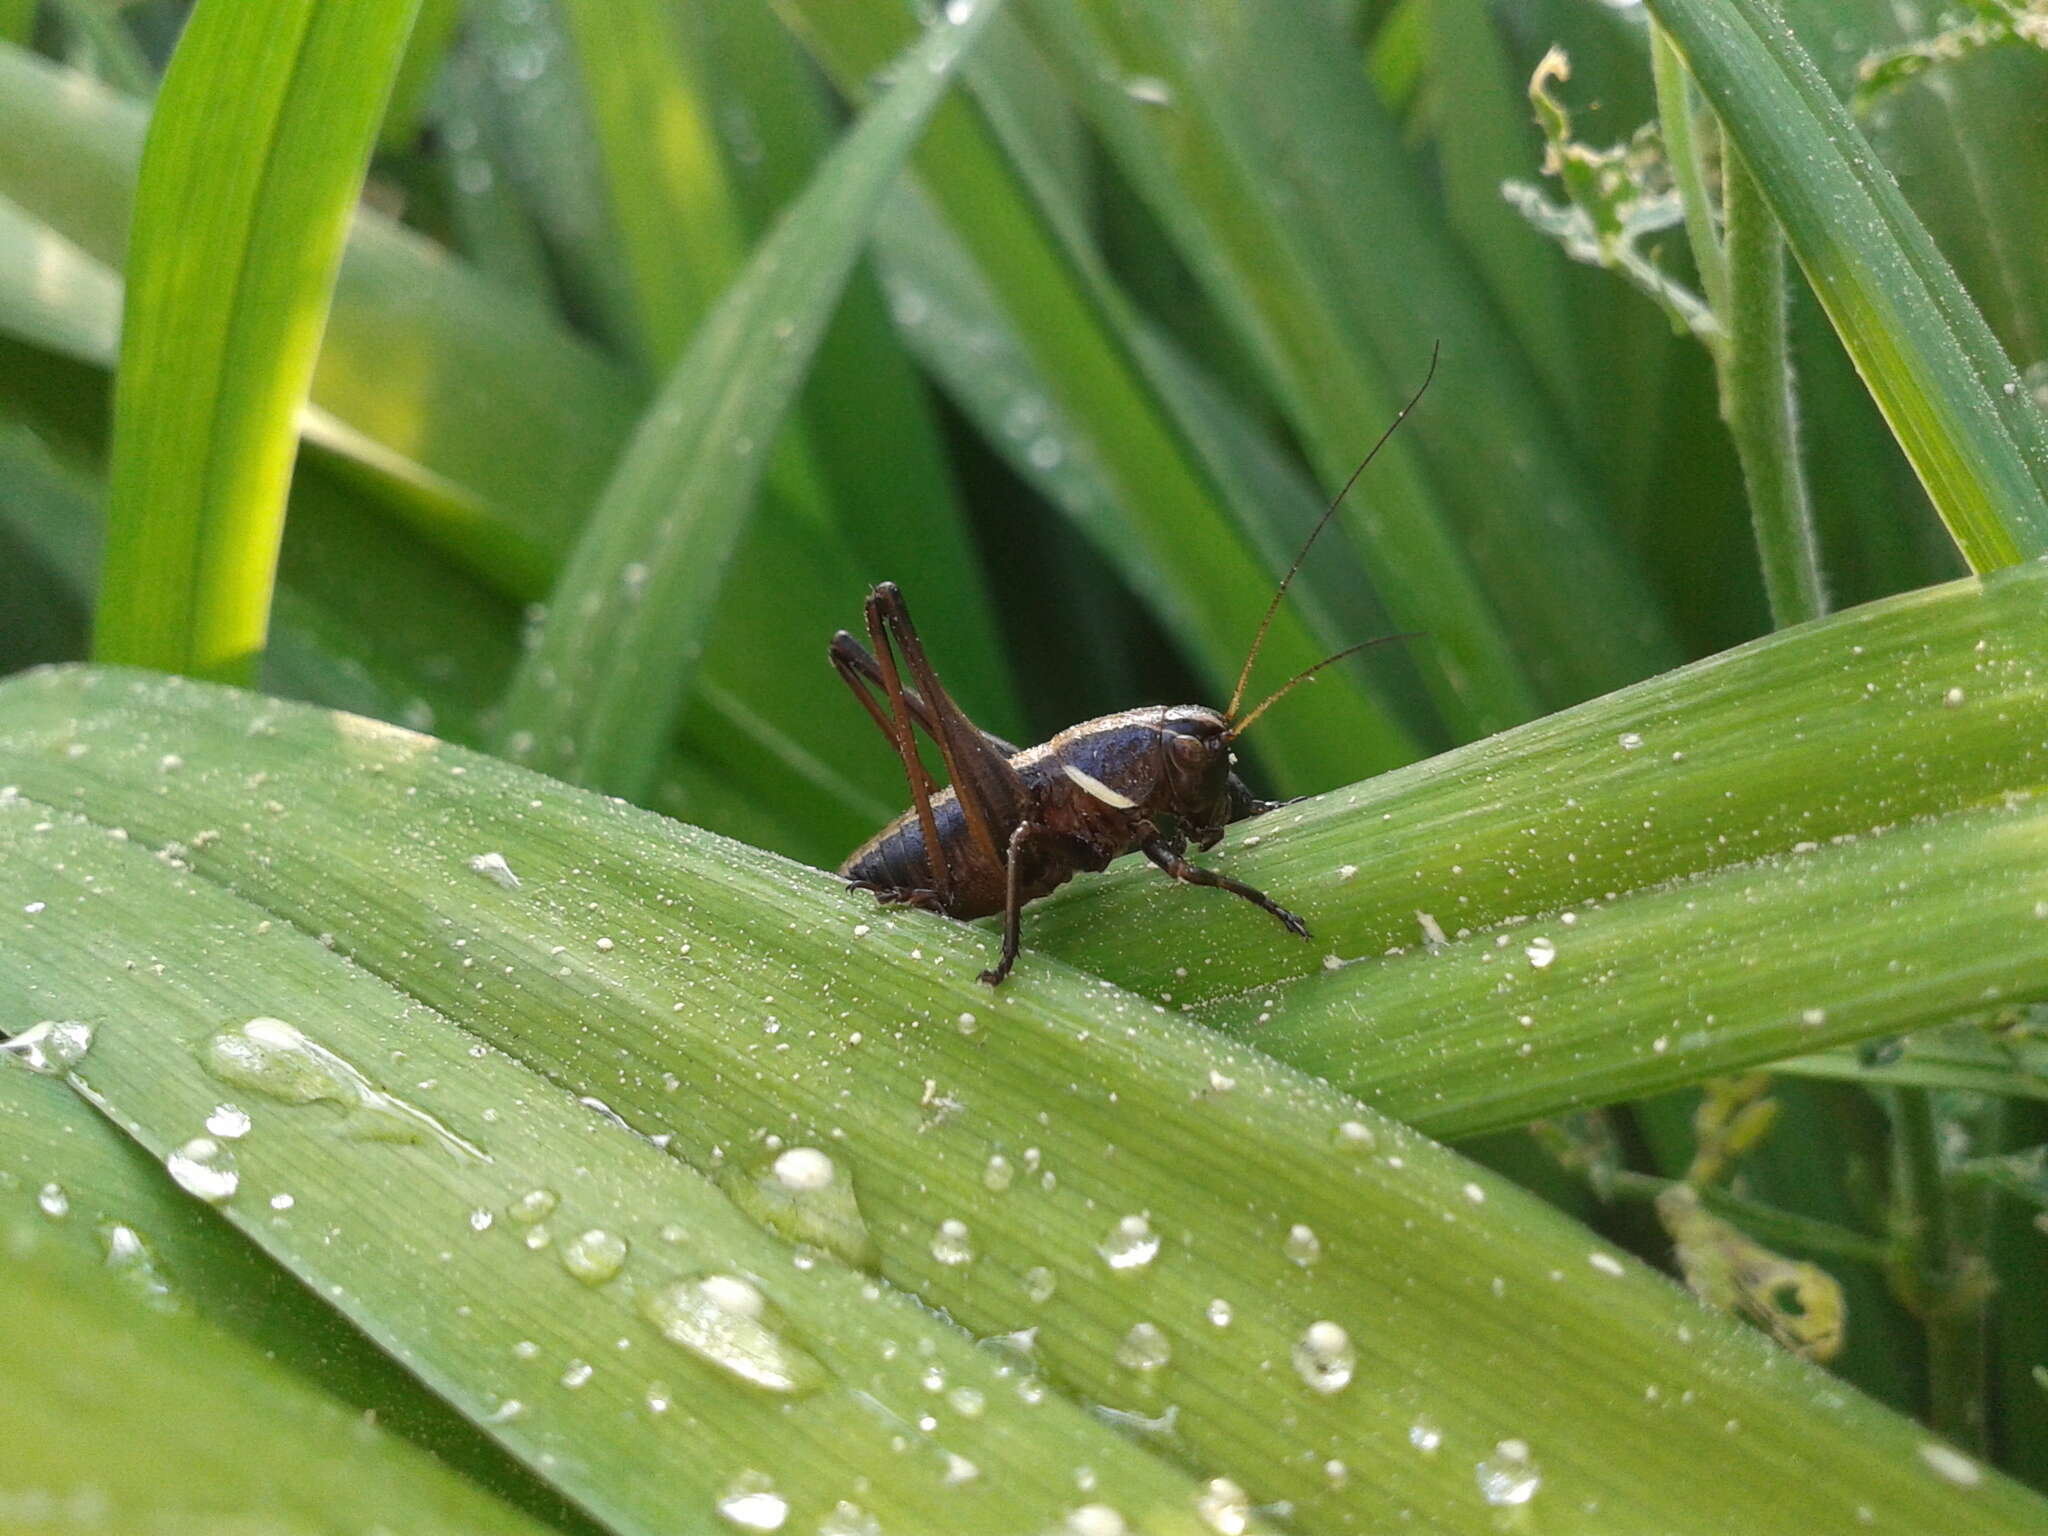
(281,1062)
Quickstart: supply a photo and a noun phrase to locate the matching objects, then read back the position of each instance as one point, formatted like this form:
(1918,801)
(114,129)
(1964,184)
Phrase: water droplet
(577,1374)
(1040,1283)
(230,1122)
(849,1520)
(1541,952)
(1629,741)
(805,1195)
(1149,90)
(534,1205)
(1130,1244)
(205,1168)
(1224,1507)
(53,1201)
(1425,1436)
(751,1503)
(1218,1312)
(727,1322)
(594,1256)
(1302,1245)
(130,1258)
(277,1060)
(1508,1476)
(1607,1264)
(950,1244)
(959,12)
(1145,1348)
(1094,1520)
(1950,1464)
(1356,1136)
(1324,1358)
(53,1046)
(492,866)
(1953,698)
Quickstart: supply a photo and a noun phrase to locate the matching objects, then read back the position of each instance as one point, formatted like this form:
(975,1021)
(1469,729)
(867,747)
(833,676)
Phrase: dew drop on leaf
(1224,1507)
(1302,1245)
(1508,1476)
(805,1195)
(533,1206)
(1130,1244)
(595,1256)
(1324,1358)
(950,1243)
(206,1169)
(278,1060)
(50,1047)
(849,1520)
(750,1503)
(1093,1520)
(1145,1348)
(726,1322)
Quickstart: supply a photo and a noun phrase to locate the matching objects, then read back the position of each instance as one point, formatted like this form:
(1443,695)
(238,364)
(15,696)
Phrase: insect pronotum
(1012,825)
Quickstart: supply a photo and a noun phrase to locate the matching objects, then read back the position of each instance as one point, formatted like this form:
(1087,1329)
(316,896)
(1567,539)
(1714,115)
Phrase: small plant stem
(1688,169)
(1742,274)
(1768,1223)
(1757,400)
(1932,1271)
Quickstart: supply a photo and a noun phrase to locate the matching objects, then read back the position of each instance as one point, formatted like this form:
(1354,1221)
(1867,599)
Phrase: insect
(1013,825)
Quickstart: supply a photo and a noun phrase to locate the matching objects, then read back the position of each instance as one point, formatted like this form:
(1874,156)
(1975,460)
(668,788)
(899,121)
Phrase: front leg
(1013,905)
(1171,860)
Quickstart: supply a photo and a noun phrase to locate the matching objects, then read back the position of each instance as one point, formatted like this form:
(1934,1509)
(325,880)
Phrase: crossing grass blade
(740,1007)
(599,693)
(1957,405)
(1911,707)
(255,156)
(1902,929)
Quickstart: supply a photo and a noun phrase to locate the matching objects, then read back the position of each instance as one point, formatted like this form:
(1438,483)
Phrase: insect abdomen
(894,858)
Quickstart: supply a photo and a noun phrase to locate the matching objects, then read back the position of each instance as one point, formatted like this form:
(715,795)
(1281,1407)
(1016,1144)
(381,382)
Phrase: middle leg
(1171,860)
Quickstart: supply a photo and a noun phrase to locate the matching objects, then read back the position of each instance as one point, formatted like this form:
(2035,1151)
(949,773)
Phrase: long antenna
(1244,677)
(1306,673)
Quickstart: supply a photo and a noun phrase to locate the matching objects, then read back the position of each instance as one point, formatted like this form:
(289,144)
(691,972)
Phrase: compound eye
(1190,751)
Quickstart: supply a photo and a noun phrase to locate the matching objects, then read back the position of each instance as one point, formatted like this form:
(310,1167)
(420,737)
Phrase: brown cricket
(1012,825)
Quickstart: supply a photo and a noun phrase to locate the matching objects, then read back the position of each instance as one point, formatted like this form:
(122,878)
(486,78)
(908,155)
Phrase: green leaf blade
(257,151)
(1296,1206)
(1897,710)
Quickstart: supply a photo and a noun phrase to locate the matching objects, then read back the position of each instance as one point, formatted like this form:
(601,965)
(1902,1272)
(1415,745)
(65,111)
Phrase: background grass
(1156,276)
